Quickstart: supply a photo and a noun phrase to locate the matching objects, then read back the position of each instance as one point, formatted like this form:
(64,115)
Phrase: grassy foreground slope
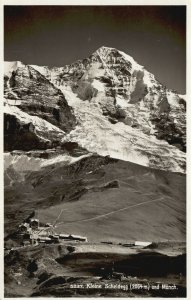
(103,199)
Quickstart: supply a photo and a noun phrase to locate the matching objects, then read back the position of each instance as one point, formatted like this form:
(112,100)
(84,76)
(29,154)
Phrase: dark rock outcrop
(21,136)
(39,97)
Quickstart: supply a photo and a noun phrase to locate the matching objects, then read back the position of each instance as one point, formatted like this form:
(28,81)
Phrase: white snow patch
(144,244)
(10,66)
(40,124)
(67,159)
(43,70)
(98,85)
(173,99)
(24,163)
(13,102)
(182,96)
(120,101)
(135,65)
(71,98)
(149,79)
(40,69)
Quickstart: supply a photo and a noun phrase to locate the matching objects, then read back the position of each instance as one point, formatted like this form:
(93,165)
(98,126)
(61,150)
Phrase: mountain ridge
(114,92)
(6,70)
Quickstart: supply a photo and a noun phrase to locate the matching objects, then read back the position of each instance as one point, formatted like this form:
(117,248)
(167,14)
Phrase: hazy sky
(57,35)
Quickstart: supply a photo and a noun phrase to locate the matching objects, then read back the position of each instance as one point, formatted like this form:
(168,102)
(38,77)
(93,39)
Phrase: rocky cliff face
(35,110)
(120,108)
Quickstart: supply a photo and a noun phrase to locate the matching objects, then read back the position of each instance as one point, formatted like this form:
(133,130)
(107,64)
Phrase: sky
(155,36)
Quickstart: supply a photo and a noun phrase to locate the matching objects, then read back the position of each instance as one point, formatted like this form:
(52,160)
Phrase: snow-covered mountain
(92,148)
(107,103)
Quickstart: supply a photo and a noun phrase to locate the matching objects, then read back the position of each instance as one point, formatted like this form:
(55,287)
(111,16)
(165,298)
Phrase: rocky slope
(101,198)
(36,112)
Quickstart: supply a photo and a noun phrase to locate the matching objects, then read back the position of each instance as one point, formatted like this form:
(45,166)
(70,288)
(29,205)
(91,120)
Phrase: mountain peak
(104,51)
(105,48)
(108,52)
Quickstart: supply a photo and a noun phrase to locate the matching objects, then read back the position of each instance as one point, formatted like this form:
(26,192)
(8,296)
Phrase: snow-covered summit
(108,92)
(105,51)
